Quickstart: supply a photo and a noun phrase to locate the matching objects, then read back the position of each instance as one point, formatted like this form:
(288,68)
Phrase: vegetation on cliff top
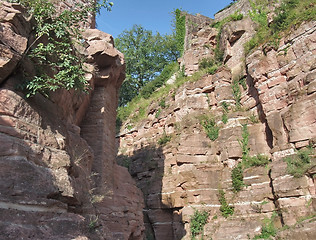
(59,65)
(136,109)
(289,14)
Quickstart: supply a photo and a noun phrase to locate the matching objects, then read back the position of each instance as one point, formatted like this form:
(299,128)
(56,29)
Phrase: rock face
(235,35)
(58,177)
(276,117)
(15,28)
(242,6)
(199,41)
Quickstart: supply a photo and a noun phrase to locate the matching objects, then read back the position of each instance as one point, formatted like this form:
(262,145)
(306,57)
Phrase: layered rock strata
(58,177)
(186,174)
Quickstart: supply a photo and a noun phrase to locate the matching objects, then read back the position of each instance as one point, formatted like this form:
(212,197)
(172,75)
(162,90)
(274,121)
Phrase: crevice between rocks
(253,92)
(275,199)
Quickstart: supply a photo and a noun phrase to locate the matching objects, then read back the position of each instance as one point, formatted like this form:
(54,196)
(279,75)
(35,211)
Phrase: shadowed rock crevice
(147,167)
(253,92)
(275,199)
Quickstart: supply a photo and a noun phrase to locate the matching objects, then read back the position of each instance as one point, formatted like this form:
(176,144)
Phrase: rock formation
(274,115)
(58,173)
(58,177)
(242,6)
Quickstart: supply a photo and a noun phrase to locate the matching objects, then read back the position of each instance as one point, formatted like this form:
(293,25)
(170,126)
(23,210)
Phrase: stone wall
(186,174)
(58,177)
(198,42)
(242,6)
(194,23)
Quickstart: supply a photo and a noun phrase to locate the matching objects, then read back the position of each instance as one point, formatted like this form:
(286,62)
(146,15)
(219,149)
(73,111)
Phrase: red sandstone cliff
(58,176)
(278,106)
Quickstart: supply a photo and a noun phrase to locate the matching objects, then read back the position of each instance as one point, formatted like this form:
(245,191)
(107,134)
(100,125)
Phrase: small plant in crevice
(255,161)
(237,82)
(96,198)
(162,103)
(243,83)
(164,139)
(225,208)
(225,109)
(208,100)
(209,64)
(236,16)
(93,223)
(236,94)
(210,127)
(244,142)
(129,127)
(253,118)
(247,161)
(157,114)
(225,106)
(124,161)
(224,118)
(212,70)
(268,229)
(182,72)
(311,218)
(299,164)
(198,221)
(219,53)
(206,63)
(237,178)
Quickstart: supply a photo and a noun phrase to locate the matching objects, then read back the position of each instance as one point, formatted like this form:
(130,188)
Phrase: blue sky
(153,15)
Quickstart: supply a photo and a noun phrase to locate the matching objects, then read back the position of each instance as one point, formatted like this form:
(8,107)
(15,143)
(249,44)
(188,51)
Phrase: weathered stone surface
(187,173)
(234,36)
(199,46)
(300,119)
(303,230)
(15,27)
(58,177)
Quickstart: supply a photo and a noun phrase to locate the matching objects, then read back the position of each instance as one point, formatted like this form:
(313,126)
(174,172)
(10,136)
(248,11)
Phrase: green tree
(146,54)
(59,64)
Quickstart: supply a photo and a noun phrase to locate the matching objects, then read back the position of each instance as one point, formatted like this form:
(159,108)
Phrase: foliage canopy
(146,55)
(59,65)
